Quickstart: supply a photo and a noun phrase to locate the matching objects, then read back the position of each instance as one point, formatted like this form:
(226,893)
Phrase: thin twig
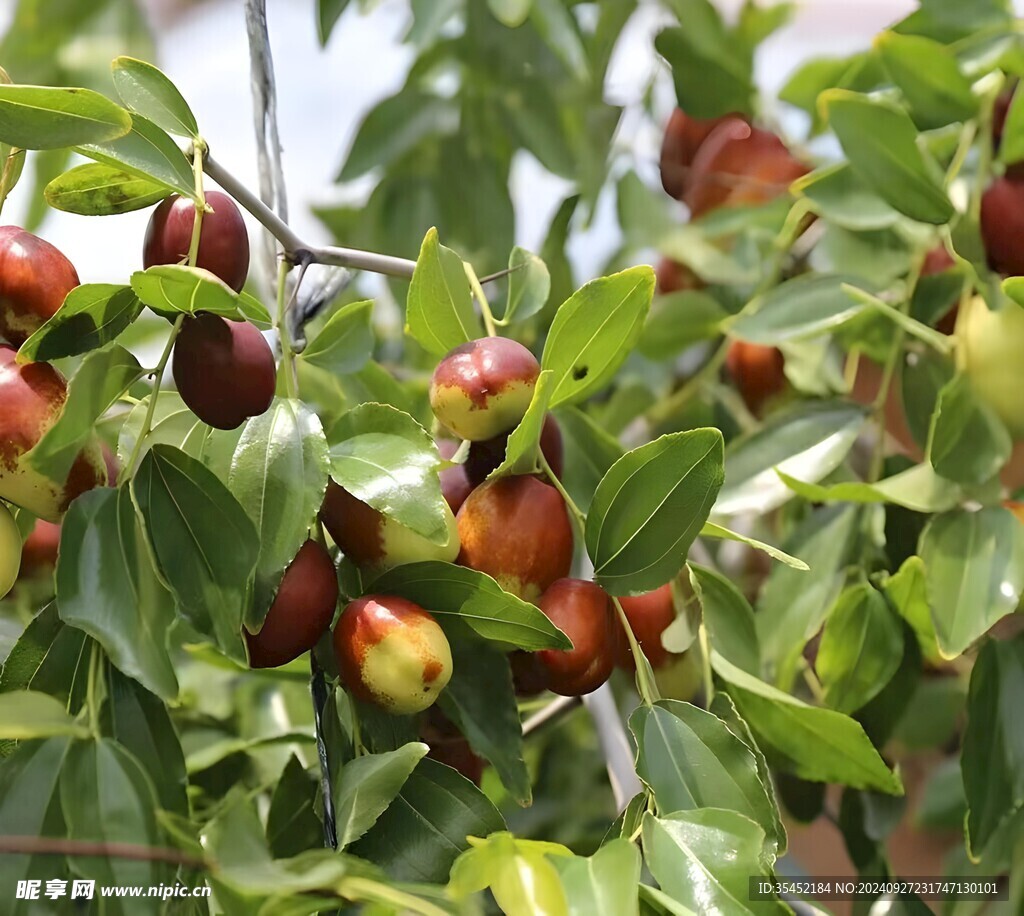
(553,710)
(54,846)
(318,689)
(615,745)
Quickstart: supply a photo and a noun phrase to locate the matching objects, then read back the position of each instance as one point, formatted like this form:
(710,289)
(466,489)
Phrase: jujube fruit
(528,675)
(35,278)
(483,387)
(649,615)
(989,350)
(392,653)
(484,457)
(584,612)
(757,371)
(672,277)
(683,137)
(1002,225)
(517,530)
(10,550)
(302,610)
(224,370)
(455,485)
(33,397)
(39,552)
(374,541)
(449,746)
(223,239)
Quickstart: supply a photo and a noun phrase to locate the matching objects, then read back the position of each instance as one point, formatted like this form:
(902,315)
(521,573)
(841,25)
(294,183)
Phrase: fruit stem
(147,424)
(291,379)
(357,735)
(200,202)
(481,297)
(578,514)
(705,658)
(318,692)
(645,684)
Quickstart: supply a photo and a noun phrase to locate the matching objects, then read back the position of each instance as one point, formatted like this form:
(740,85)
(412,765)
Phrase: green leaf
(705,859)
(992,759)
(367,787)
(37,117)
(450,591)
(328,12)
(880,141)
(929,76)
(174,289)
(907,591)
(439,308)
(691,760)
(680,320)
(523,448)
(92,316)
(821,745)
(345,343)
(974,570)
(728,617)
(510,13)
(292,823)
(148,91)
(205,544)
(793,604)
(27,714)
(806,306)
(480,700)
(422,833)
(1011,147)
(102,190)
(711,530)
(394,127)
(147,152)
(807,443)
(279,476)
(605,884)
(383,457)
(529,286)
(106,797)
(861,648)
(106,586)
(593,332)
(968,442)
(173,424)
(100,380)
(649,508)
(840,196)
(589,452)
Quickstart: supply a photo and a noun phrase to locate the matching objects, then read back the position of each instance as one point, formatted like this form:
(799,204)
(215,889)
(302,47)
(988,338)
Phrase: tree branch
(58,846)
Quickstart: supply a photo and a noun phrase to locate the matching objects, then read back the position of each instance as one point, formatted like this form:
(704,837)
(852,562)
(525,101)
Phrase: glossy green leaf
(880,141)
(106,797)
(106,586)
(439,308)
(704,859)
(793,604)
(96,189)
(148,91)
(205,544)
(279,475)
(974,570)
(968,442)
(816,744)
(907,591)
(650,506)
(146,151)
(605,884)
(711,530)
(450,591)
(529,285)
(27,714)
(691,760)
(806,443)
(92,316)
(100,380)
(345,343)
(929,77)
(594,331)
(992,759)
(38,117)
(861,648)
(420,836)
(386,459)
(840,196)
(797,309)
(173,289)
(368,785)
(48,657)
(728,617)
(918,488)
(480,700)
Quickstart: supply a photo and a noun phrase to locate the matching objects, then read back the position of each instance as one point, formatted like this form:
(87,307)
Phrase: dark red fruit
(301,612)
(683,137)
(649,615)
(39,552)
(455,485)
(223,240)
(584,612)
(448,745)
(34,280)
(224,370)
(517,530)
(757,371)
(528,675)
(485,456)
(671,277)
(1002,225)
